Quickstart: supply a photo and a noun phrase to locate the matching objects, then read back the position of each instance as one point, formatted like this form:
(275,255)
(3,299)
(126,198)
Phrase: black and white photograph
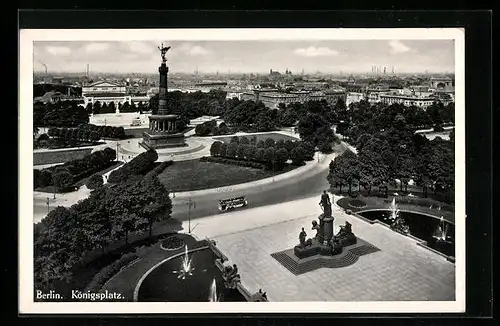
(240,170)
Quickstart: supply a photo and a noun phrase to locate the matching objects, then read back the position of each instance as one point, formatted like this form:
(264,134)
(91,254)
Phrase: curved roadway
(302,186)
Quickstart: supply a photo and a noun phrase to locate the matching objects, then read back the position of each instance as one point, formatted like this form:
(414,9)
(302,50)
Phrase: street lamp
(48,205)
(193,205)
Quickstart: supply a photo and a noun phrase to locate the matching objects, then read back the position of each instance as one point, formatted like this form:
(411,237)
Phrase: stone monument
(325,242)
(165,129)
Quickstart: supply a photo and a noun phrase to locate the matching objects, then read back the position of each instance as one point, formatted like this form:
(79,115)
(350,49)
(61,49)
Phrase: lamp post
(193,205)
(48,205)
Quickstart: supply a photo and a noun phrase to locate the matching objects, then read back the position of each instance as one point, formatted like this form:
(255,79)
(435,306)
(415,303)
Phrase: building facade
(105,92)
(417,101)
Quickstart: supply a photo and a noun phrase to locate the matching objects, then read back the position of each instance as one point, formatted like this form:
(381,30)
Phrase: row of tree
(63,176)
(101,108)
(74,134)
(273,154)
(60,114)
(104,131)
(109,214)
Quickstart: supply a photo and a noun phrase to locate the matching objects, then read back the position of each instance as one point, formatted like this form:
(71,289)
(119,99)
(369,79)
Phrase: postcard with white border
(242,171)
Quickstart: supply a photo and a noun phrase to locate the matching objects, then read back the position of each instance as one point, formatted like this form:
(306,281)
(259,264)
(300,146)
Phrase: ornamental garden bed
(173,242)
(356,203)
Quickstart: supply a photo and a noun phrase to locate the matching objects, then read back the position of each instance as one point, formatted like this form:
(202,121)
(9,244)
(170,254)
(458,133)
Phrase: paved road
(307,185)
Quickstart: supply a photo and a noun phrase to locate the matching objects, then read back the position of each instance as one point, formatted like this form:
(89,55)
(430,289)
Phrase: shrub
(94,182)
(139,165)
(109,271)
(215,148)
(62,178)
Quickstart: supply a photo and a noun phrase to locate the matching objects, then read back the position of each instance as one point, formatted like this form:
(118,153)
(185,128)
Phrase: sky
(346,56)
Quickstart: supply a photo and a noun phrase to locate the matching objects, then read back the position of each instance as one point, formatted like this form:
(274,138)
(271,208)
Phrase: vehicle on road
(232,203)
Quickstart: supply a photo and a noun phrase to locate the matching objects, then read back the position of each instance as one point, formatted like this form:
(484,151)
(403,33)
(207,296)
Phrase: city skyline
(336,56)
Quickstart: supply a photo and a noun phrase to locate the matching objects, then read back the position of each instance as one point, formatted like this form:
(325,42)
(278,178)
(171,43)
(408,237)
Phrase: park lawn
(52,157)
(195,175)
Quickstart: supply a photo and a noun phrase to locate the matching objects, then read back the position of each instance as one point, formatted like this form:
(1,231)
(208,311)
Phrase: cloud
(315,52)
(194,50)
(58,50)
(95,47)
(140,47)
(398,47)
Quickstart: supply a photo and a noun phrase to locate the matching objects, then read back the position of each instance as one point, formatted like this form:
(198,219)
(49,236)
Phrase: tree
(223,149)
(250,152)
(97,107)
(269,156)
(240,151)
(62,179)
(215,131)
(231,149)
(269,142)
(297,155)
(259,154)
(234,139)
(281,157)
(202,130)
(244,140)
(215,148)
(372,169)
(223,129)
(94,136)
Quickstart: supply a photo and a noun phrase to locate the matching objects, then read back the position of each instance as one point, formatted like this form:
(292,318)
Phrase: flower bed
(356,203)
(224,160)
(172,243)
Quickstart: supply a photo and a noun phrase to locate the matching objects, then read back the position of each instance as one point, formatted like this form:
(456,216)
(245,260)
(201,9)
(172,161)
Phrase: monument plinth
(165,129)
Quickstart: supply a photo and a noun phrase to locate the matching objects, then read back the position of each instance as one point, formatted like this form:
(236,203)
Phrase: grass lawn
(195,175)
(274,135)
(48,157)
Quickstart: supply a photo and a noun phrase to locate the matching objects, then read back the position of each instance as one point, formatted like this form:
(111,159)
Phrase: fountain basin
(163,285)
(422,226)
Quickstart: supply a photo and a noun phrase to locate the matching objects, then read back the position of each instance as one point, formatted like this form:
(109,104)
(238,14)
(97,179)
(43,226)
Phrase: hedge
(109,271)
(95,181)
(139,165)
(224,160)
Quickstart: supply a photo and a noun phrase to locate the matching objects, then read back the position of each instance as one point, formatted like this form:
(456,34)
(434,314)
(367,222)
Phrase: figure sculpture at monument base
(325,242)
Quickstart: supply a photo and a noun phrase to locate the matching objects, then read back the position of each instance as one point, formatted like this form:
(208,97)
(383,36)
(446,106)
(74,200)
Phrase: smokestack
(87,70)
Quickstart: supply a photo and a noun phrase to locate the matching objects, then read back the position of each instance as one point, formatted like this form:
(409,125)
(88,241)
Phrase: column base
(152,140)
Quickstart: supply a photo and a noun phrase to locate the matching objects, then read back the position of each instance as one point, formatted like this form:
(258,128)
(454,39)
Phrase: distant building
(354,97)
(446,85)
(272,99)
(407,100)
(105,92)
